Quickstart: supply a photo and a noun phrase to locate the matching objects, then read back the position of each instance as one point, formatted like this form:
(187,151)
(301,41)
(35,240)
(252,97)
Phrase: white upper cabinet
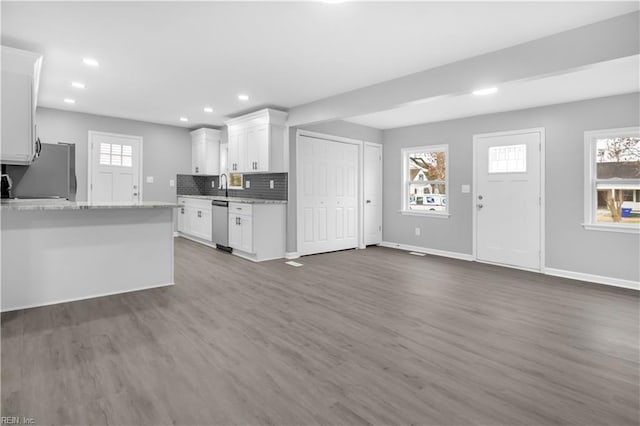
(257,142)
(20,81)
(205,152)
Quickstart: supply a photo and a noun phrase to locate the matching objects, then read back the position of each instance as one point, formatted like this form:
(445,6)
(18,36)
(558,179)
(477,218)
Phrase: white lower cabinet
(257,231)
(194,218)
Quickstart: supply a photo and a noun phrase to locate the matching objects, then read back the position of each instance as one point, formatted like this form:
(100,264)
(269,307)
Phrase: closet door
(328,179)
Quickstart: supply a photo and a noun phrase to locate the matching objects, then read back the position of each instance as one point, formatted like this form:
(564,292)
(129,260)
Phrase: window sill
(425,214)
(627,229)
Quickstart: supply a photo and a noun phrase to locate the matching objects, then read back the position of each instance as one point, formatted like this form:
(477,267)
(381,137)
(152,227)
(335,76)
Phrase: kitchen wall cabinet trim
(205,152)
(20,84)
(257,143)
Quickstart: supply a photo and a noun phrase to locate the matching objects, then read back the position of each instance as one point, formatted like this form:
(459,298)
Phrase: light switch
(172,183)
(270,184)
(465,189)
(247,184)
(149,179)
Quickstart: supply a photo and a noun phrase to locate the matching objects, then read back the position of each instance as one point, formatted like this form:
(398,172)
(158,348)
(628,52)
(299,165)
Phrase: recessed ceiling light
(333,1)
(91,62)
(70,101)
(208,109)
(487,91)
(243,97)
(78,85)
(185,119)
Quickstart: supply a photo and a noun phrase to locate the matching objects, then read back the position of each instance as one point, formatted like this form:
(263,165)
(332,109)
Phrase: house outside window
(612,180)
(425,180)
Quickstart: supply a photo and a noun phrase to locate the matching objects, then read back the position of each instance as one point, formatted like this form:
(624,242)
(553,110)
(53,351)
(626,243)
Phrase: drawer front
(240,209)
(195,203)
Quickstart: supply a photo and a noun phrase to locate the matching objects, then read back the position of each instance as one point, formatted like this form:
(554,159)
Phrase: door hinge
(379,228)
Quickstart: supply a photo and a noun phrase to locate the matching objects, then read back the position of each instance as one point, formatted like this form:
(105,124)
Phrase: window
(612,179)
(425,172)
(508,159)
(116,155)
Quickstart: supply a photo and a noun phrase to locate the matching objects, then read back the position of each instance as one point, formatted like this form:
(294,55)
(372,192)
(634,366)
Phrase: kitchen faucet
(226,189)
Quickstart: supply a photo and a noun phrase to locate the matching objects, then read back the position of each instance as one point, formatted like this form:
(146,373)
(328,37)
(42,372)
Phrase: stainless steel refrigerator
(51,175)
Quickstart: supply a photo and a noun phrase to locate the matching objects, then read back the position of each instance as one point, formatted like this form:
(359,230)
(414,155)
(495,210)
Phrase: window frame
(405,182)
(590,179)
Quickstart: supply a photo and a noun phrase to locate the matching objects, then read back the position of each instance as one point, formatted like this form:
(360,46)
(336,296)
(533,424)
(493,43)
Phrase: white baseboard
(443,253)
(291,255)
(93,296)
(599,279)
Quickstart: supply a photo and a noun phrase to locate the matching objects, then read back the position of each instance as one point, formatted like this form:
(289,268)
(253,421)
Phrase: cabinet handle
(238,220)
(182,210)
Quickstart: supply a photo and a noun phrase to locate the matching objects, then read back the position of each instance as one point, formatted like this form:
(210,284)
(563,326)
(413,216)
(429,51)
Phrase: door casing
(474,199)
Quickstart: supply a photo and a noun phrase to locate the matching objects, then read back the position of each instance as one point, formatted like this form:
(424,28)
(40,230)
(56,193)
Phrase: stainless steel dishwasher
(220,224)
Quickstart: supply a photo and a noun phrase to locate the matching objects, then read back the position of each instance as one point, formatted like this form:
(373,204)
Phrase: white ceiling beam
(570,50)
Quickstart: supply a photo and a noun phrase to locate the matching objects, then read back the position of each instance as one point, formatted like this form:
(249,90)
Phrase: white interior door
(328,196)
(114,168)
(372,187)
(508,198)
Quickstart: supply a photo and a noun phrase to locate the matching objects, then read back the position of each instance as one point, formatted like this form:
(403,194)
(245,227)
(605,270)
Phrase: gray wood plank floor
(371,336)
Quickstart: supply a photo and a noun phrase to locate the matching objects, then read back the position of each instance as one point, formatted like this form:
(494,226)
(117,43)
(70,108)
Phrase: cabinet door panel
(258,149)
(235,232)
(246,229)
(17,131)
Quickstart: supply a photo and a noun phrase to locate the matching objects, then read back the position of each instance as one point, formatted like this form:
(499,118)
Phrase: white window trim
(589,180)
(404,210)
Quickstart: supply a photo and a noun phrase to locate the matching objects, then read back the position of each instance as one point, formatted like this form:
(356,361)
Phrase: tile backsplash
(259,186)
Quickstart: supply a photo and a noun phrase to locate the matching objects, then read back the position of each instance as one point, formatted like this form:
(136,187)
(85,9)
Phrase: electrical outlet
(149,179)
(213,183)
(417,232)
(270,184)
(172,183)
(247,184)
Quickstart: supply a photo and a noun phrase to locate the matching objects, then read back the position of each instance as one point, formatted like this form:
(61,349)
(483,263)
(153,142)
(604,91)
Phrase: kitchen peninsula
(56,251)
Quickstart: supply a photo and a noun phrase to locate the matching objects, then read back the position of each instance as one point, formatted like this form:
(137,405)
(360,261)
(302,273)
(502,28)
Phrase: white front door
(372,187)
(508,198)
(114,167)
(328,195)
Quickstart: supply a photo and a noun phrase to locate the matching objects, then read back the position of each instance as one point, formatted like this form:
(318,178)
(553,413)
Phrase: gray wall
(335,128)
(568,245)
(166,149)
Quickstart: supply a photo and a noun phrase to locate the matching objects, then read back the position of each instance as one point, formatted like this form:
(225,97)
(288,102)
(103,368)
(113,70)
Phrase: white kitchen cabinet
(205,152)
(257,142)
(257,231)
(194,218)
(241,232)
(20,82)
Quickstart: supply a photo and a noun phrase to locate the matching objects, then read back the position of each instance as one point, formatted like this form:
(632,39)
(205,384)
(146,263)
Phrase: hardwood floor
(371,336)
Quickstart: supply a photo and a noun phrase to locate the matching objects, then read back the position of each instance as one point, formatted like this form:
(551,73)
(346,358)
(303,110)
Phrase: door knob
(479,206)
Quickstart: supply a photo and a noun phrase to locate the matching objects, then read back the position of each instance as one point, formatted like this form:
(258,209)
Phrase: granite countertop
(235,199)
(59,204)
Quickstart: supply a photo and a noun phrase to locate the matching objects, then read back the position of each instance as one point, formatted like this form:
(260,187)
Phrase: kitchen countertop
(235,199)
(57,204)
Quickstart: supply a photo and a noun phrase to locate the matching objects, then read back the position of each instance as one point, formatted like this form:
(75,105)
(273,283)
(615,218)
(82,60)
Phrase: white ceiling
(163,60)
(603,79)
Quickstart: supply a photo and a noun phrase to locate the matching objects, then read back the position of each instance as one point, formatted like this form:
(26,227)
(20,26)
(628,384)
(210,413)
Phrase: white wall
(569,246)
(166,149)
